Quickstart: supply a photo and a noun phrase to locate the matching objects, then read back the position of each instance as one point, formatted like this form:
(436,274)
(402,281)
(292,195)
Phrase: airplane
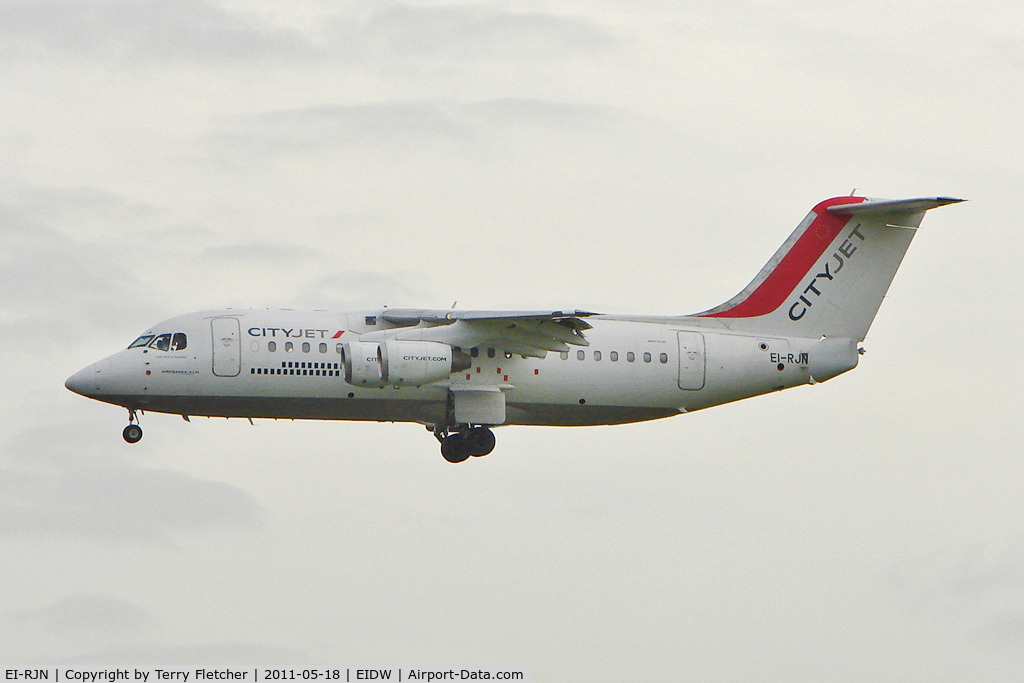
(460,373)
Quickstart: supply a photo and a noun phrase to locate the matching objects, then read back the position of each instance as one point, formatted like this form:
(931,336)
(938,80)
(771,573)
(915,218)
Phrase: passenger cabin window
(663,358)
(272,346)
(289,347)
(613,356)
(305,347)
(490,352)
(630,356)
(647,356)
(371,320)
(323,347)
(580,355)
(564,355)
(597,355)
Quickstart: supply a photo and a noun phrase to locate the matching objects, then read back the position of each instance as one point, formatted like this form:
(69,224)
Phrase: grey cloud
(58,481)
(60,286)
(463,32)
(1006,627)
(18,226)
(360,289)
(84,614)
(61,261)
(966,570)
(91,206)
(512,111)
(975,583)
(127,31)
(264,253)
(410,124)
(204,33)
(310,128)
(877,47)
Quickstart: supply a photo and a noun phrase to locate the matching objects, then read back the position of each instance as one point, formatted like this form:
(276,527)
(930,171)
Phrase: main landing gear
(133,432)
(459,442)
(468,441)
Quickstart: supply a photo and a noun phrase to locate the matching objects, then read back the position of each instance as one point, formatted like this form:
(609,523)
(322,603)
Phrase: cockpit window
(162,342)
(141,341)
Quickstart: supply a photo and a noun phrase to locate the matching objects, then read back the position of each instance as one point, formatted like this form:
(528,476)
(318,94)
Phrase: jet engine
(363,363)
(400,363)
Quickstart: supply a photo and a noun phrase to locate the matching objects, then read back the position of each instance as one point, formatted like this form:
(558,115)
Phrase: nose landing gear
(133,432)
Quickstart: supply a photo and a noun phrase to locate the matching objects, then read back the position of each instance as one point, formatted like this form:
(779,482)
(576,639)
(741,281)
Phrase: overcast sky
(160,158)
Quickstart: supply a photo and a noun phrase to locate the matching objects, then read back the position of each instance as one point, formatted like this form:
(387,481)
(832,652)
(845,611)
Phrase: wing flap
(526,333)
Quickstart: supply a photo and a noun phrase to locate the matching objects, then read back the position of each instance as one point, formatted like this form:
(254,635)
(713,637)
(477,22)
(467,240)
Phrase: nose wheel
(133,432)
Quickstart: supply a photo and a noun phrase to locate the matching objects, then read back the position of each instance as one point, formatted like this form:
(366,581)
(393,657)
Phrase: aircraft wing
(528,333)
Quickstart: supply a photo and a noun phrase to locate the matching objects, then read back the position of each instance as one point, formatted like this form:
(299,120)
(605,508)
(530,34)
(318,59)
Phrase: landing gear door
(483,406)
(691,360)
(227,359)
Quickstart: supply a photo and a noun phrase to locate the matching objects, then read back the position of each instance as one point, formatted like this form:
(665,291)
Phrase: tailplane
(828,279)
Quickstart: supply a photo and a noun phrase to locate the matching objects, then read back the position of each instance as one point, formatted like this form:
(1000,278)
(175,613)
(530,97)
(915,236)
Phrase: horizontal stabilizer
(878,206)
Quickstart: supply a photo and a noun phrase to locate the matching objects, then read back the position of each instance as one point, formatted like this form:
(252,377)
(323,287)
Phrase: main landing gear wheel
(453,448)
(480,441)
(132,433)
(476,442)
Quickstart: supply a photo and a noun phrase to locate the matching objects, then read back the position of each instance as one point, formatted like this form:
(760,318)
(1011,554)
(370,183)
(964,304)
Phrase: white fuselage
(460,372)
(288,364)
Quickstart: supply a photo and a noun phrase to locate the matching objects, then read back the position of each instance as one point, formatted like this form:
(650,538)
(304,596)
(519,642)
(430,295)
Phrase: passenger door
(691,360)
(227,359)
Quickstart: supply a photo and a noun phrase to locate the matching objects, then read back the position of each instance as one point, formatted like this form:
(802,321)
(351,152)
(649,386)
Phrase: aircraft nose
(83,382)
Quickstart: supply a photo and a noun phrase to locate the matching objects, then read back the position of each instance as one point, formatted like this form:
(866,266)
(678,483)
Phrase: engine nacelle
(399,363)
(363,363)
(415,363)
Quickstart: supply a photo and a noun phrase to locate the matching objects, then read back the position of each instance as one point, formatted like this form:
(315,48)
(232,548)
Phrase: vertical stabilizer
(828,279)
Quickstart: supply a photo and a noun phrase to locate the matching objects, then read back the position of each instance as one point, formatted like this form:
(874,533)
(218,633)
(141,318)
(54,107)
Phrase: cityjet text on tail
(463,372)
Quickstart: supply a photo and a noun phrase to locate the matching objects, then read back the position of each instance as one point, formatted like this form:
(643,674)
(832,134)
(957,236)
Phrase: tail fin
(829,277)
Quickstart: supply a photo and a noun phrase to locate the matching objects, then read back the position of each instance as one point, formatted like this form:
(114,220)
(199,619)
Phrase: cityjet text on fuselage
(293,333)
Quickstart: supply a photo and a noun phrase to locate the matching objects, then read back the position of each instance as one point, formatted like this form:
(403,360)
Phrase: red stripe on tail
(791,270)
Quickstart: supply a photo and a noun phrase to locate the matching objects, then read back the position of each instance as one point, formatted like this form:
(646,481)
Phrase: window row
(290,347)
(613,356)
(474,352)
(491,352)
